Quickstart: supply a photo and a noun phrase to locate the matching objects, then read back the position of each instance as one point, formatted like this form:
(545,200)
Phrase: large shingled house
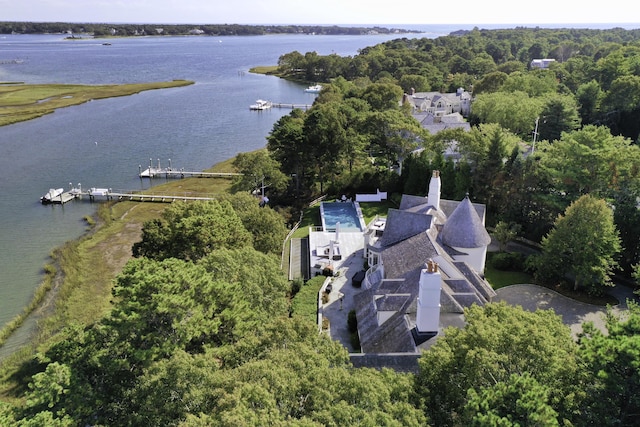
(426,265)
(439,104)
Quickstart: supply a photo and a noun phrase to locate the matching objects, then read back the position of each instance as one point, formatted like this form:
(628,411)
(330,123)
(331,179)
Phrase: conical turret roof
(464,228)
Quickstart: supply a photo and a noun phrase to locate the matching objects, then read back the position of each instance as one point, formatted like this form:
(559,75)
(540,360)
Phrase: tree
(518,401)
(488,175)
(613,359)
(382,96)
(393,134)
(506,232)
(255,277)
(287,145)
(414,82)
(189,231)
(498,341)
(266,225)
(559,114)
(515,111)
(583,244)
(326,136)
(491,82)
(590,160)
(589,96)
(259,172)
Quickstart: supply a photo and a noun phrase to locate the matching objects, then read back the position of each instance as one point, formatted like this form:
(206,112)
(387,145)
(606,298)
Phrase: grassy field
(20,102)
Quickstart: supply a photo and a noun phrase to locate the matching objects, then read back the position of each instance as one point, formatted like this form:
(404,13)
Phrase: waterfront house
(426,263)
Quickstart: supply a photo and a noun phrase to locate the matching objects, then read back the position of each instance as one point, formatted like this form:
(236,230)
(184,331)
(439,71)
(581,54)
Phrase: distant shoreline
(100,30)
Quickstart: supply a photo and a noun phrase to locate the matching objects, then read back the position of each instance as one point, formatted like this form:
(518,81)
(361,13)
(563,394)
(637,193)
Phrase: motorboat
(260,104)
(51,195)
(314,89)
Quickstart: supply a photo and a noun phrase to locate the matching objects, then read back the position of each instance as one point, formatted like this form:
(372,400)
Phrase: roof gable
(401,225)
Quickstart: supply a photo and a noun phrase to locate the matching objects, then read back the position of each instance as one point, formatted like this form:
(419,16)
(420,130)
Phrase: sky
(324,12)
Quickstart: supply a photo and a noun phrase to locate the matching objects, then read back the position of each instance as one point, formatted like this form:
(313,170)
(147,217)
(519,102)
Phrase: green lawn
(499,278)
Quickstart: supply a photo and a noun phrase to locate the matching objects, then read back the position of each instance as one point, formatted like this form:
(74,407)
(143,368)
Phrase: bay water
(103,143)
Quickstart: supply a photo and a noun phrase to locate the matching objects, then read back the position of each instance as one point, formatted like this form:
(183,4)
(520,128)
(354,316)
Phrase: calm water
(102,143)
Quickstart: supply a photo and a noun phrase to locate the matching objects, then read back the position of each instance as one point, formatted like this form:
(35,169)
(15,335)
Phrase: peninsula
(20,102)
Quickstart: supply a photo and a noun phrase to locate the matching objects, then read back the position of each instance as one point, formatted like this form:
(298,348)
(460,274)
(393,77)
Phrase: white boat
(51,195)
(260,104)
(314,89)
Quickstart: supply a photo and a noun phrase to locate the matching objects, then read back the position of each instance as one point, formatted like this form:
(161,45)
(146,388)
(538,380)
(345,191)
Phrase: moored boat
(314,89)
(52,195)
(260,104)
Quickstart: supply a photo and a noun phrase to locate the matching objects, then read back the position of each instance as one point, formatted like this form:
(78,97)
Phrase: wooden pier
(289,105)
(135,196)
(97,194)
(181,173)
(171,172)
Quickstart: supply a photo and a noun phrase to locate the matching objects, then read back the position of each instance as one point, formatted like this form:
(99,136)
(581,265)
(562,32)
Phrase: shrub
(327,271)
(352,321)
(508,261)
(354,338)
(296,285)
(325,324)
(305,303)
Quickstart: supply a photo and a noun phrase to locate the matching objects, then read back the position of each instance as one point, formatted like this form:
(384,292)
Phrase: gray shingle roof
(412,235)
(464,228)
(401,225)
(406,260)
(393,336)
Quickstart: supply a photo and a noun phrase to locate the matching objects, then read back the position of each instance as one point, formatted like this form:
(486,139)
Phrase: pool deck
(349,243)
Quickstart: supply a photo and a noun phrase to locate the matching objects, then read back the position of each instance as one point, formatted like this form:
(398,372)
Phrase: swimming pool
(348,214)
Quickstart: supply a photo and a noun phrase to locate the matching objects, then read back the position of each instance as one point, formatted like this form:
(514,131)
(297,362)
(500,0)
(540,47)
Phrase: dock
(136,196)
(97,194)
(291,106)
(171,172)
(154,172)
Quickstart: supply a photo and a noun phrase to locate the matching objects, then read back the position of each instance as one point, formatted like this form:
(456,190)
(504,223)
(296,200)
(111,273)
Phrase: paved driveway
(573,313)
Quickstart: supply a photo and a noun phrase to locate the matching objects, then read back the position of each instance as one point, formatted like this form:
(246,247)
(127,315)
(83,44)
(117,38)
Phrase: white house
(425,236)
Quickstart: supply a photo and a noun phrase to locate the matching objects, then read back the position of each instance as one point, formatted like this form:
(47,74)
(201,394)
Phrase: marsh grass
(76,288)
(20,102)
(265,69)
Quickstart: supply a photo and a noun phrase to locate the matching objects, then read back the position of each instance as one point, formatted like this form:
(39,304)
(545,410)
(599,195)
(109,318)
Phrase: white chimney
(433,199)
(428,315)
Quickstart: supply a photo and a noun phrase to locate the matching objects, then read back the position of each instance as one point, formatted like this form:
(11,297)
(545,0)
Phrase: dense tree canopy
(191,231)
(614,359)
(497,343)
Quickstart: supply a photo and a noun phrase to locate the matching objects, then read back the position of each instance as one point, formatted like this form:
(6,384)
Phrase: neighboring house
(541,63)
(439,104)
(426,265)
(437,112)
(436,124)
